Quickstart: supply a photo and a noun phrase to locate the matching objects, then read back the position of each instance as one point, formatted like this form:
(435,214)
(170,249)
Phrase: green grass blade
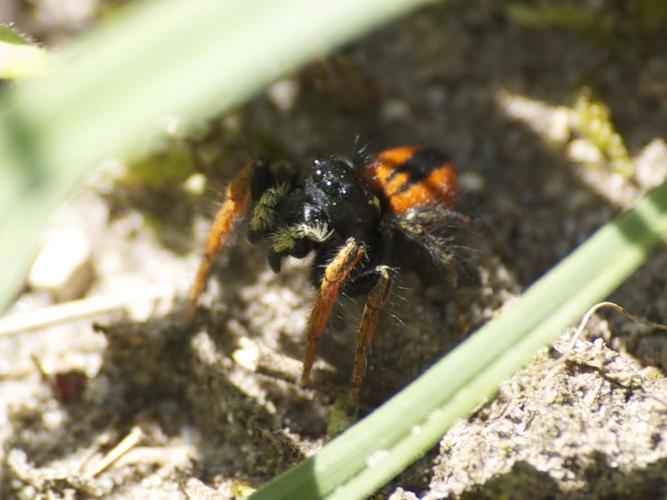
(189,59)
(19,58)
(379,447)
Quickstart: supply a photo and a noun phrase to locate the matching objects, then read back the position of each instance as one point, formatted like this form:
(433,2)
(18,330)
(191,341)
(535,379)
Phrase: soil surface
(214,409)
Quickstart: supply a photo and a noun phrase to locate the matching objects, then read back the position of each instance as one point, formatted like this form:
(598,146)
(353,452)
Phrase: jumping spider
(353,217)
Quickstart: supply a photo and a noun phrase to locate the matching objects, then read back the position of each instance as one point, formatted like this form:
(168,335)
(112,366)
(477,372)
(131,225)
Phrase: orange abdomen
(411,177)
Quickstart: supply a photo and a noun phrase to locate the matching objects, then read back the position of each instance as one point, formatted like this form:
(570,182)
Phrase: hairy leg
(236,198)
(334,276)
(375,302)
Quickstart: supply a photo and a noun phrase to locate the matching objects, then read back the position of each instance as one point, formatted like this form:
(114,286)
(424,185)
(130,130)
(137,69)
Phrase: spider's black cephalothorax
(316,213)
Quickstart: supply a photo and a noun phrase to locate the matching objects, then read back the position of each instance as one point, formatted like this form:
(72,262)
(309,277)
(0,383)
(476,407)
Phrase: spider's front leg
(236,198)
(334,275)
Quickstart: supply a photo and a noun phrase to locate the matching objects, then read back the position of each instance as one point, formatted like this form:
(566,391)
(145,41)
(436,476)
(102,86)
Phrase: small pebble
(63,265)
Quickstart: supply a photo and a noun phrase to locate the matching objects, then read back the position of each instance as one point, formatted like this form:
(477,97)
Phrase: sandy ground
(467,79)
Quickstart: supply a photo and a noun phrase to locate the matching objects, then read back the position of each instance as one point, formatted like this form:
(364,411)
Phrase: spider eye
(330,185)
(325,178)
(318,171)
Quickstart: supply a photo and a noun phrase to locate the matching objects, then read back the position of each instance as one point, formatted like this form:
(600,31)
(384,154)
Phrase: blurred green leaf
(592,20)
(19,58)
(8,35)
(154,60)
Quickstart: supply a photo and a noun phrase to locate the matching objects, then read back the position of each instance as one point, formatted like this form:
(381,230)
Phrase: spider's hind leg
(375,302)
(444,236)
